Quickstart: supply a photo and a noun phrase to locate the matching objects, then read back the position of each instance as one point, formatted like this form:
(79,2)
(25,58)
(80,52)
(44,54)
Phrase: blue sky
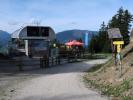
(59,14)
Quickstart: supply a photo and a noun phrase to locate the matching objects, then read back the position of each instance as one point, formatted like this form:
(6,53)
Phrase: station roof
(16,33)
(22,33)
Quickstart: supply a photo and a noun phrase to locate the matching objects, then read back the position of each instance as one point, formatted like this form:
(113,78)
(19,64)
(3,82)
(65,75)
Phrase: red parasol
(74,43)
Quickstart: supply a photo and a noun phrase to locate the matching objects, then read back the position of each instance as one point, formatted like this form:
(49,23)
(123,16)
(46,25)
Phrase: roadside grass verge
(116,92)
(96,56)
(95,68)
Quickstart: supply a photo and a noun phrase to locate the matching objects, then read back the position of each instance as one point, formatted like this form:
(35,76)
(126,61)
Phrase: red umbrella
(68,43)
(78,43)
(74,43)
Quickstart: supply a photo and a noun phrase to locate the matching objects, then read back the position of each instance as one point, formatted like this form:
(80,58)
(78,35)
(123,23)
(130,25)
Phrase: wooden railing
(21,63)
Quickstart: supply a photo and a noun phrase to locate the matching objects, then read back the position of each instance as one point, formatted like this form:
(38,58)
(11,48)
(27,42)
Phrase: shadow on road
(10,70)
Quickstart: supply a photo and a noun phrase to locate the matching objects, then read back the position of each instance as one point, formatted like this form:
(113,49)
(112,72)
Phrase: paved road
(58,83)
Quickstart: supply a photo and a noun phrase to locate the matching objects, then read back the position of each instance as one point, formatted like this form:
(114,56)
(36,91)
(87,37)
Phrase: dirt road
(62,82)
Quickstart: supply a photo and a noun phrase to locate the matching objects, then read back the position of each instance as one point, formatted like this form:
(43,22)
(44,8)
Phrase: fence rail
(24,63)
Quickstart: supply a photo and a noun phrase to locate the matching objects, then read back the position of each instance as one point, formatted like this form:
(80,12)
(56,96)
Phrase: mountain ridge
(4,37)
(74,34)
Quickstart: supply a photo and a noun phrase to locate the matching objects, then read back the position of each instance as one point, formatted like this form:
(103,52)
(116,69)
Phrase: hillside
(4,39)
(107,78)
(73,34)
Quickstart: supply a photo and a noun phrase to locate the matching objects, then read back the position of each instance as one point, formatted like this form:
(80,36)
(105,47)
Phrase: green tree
(79,39)
(100,42)
(92,46)
(122,20)
(103,40)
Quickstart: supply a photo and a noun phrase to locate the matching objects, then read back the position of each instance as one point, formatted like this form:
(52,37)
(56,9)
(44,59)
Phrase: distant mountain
(4,37)
(65,36)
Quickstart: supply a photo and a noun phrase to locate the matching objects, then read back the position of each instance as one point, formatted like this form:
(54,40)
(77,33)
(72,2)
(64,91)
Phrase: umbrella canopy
(69,43)
(74,43)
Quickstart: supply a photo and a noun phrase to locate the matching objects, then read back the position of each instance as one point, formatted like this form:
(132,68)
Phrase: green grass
(109,90)
(116,91)
(127,98)
(100,66)
(95,68)
(96,56)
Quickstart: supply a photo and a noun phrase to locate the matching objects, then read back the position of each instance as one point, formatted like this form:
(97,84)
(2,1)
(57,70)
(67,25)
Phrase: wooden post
(58,59)
(41,63)
(47,60)
(44,63)
(20,64)
(75,56)
(52,60)
(68,58)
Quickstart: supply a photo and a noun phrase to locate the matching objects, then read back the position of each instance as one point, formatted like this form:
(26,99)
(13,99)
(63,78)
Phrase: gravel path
(62,82)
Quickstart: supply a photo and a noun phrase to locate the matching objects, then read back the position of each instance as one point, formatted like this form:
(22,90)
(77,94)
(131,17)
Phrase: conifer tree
(122,20)
(100,42)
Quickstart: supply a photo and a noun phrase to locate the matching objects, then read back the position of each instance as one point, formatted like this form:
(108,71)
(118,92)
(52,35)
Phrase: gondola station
(36,45)
(33,40)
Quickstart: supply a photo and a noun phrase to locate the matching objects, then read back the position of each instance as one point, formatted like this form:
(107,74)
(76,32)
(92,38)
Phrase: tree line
(122,20)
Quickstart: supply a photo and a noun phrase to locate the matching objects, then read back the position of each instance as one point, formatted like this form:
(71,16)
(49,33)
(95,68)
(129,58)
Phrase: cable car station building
(33,40)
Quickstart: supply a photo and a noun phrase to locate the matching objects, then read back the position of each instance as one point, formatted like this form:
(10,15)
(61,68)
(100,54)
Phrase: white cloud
(60,14)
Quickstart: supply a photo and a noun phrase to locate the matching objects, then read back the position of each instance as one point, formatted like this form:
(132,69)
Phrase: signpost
(116,44)
(119,45)
(114,33)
